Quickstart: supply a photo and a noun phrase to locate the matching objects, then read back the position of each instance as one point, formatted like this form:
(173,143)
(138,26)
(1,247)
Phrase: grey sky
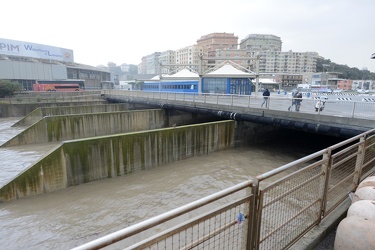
(123,31)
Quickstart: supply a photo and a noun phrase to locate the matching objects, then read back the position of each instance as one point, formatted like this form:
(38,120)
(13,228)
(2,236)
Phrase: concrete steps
(15,160)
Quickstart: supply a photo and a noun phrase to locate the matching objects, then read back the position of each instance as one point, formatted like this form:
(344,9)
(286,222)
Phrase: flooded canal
(79,214)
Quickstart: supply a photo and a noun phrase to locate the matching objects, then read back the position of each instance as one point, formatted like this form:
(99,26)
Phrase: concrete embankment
(80,161)
(23,109)
(67,127)
(41,112)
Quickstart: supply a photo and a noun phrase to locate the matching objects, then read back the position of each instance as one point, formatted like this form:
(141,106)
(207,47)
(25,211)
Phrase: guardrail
(338,107)
(271,211)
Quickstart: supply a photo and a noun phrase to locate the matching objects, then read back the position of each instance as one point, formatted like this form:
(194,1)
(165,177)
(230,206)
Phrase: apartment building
(166,58)
(285,62)
(188,55)
(233,53)
(150,64)
(272,59)
(261,42)
(210,43)
(225,45)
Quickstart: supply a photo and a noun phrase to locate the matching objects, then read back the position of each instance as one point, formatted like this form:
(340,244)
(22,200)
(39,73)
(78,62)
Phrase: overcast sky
(123,31)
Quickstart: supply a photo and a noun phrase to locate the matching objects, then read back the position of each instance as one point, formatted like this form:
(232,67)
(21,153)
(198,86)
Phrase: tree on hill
(323,65)
(7,88)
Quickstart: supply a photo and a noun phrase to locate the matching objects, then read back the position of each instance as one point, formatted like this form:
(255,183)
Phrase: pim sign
(25,49)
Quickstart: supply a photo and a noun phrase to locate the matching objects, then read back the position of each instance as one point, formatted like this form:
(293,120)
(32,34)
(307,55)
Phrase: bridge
(342,117)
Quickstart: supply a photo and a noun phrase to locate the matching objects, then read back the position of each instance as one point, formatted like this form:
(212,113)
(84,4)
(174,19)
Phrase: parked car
(363,91)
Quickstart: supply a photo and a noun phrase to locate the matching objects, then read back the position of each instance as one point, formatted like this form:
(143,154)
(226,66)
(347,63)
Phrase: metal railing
(271,211)
(280,102)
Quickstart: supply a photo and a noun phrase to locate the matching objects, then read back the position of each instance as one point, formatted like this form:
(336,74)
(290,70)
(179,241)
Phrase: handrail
(129,231)
(289,165)
(319,171)
(349,108)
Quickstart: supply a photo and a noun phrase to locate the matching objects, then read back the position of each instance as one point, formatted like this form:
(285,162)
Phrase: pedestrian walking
(296,101)
(266,96)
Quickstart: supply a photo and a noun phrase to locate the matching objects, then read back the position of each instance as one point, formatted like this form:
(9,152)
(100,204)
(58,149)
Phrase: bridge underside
(326,125)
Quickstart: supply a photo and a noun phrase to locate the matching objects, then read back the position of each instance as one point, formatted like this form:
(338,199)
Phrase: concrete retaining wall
(23,109)
(39,113)
(80,161)
(66,127)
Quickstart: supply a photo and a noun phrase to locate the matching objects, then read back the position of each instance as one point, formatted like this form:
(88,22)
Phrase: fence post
(252,242)
(257,213)
(359,161)
(326,169)
(353,110)
(269,102)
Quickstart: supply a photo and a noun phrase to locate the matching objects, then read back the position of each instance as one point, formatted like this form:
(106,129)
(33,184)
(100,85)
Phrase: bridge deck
(339,118)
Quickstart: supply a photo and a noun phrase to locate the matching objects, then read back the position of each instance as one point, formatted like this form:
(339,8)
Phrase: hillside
(347,72)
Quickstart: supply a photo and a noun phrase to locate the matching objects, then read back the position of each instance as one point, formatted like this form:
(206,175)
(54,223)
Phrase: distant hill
(347,72)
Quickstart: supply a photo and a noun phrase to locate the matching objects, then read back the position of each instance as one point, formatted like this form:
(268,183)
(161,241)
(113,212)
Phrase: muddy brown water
(79,214)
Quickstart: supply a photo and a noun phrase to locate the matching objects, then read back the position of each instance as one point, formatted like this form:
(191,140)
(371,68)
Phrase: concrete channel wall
(80,161)
(67,127)
(41,112)
(23,109)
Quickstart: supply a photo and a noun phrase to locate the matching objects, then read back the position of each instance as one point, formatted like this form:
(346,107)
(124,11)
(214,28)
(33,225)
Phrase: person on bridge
(266,96)
(297,99)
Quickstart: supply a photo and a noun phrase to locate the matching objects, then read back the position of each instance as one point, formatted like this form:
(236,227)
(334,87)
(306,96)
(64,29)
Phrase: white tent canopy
(227,70)
(183,74)
(267,81)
